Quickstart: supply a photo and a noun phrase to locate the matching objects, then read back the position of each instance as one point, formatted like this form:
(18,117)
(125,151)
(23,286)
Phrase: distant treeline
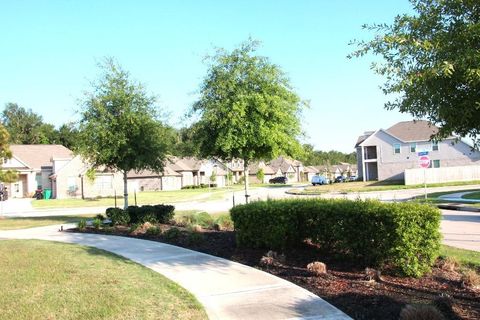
(313,157)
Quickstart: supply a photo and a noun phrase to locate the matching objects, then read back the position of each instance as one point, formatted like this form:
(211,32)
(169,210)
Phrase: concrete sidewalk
(227,290)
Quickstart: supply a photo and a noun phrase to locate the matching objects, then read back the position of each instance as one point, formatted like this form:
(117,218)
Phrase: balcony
(370,153)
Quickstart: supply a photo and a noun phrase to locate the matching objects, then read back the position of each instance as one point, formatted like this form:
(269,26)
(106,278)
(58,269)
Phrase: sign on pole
(424,162)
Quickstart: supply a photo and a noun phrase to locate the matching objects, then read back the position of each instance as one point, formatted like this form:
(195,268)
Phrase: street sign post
(424,162)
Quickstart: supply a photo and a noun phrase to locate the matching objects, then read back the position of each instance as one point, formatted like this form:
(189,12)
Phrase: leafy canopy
(119,127)
(432,63)
(25,126)
(247,108)
(5,153)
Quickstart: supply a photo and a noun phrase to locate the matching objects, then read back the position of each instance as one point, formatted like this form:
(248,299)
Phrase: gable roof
(254,167)
(167,172)
(416,130)
(39,155)
(284,164)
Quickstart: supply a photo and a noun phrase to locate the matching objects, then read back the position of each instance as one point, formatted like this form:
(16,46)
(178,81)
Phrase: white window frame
(435,144)
(395,149)
(414,146)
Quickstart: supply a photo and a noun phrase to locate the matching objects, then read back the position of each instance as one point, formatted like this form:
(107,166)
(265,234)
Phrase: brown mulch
(344,285)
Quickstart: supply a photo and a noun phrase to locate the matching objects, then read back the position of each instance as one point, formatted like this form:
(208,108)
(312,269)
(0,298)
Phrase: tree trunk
(125,190)
(246,174)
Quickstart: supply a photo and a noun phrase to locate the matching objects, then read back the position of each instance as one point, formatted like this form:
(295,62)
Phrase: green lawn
(466,257)
(146,197)
(49,280)
(473,195)
(371,186)
(434,197)
(22,223)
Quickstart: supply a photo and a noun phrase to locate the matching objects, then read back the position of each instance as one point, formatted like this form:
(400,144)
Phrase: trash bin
(47,193)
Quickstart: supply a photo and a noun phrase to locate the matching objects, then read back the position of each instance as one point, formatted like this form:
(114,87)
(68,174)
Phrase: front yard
(49,280)
(146,197)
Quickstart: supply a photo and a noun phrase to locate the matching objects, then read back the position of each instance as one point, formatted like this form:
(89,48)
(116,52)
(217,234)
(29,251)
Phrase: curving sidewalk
(227,290)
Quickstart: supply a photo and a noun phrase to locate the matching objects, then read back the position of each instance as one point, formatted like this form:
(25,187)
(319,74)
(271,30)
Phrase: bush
(224,222)
(153,231)
(172,233)
(403,235)
(82,224)
(100,217)
(202,219)
(97,223)
(154,214)
(117,216)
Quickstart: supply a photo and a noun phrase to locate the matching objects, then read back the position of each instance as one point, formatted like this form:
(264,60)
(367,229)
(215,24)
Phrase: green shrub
(403,235)
(97,223)
(118,216)
(202,219)
(82,224)
(153,231)
(154,214)
(100,216)
(224,221)
(172,233)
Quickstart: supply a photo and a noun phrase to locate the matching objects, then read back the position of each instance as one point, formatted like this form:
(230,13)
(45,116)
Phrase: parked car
(278,180)
(352,178)
(319,180)
(340,179)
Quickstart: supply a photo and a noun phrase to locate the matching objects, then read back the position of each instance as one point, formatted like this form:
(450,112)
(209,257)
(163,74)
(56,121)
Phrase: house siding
(391,166)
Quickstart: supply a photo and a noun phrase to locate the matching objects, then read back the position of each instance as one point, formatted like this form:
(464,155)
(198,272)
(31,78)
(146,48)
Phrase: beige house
(268,172)
(179,173)
(55,167)
(386,154)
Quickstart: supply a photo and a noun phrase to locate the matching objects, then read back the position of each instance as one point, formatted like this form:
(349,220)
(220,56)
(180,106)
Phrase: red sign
(424,162)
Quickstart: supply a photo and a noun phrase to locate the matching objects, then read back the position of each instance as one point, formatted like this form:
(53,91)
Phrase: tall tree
(119,126)
(247,109)
(5,153)
(432,64)
(25,126)
(67,135)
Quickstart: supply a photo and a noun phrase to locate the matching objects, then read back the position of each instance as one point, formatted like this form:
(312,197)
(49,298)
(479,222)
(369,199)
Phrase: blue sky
(49,51)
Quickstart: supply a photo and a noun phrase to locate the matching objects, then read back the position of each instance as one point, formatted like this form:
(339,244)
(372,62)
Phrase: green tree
(431,61)
(5,153)
(247,109)
(67,135)
(119,126)
(25,126)
(260,175)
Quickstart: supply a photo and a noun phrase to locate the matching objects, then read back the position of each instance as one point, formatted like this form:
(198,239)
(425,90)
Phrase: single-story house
(55,167)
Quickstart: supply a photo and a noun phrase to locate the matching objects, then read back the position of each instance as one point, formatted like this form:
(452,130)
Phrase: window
(72,184)
(103,182)
(435,164)
(396,148)
(434,145)
(413,147)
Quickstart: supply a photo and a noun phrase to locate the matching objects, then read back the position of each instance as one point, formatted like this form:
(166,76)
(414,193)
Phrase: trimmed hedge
(117,215)
(403,235)
(133,214)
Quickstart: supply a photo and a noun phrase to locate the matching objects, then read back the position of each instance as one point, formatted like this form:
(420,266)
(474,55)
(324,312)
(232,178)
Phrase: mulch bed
(344,285)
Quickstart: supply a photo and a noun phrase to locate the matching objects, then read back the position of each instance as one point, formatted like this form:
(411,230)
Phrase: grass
(22,223)
(434,197)
(473,195)
(146,197)
(467,258)
(48,280)
(372,186)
